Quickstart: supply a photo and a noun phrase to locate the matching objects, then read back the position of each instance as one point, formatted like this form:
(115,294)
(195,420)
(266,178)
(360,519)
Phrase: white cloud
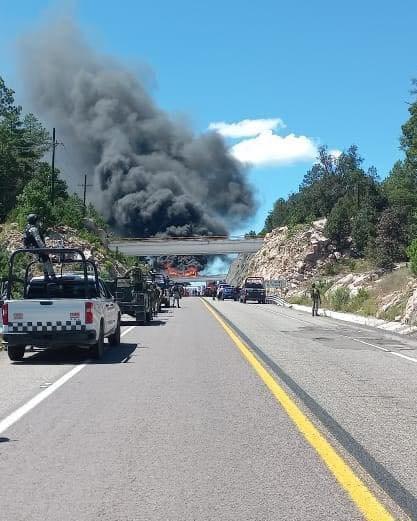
(335,153)
(247,127)
(262,146)
(268,148)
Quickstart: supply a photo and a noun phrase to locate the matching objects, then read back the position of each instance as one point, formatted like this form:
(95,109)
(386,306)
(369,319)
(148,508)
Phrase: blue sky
(336,73)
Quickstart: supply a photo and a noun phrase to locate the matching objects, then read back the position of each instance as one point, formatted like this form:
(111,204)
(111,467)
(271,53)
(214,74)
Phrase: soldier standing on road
(33,238)
(316,298)
(177,295)
(156,298)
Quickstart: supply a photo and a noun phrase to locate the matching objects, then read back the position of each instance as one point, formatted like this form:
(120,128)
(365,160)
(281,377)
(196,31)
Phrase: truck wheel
(139,319)
(148,316)
(16,353)
(97,349)
(114,339)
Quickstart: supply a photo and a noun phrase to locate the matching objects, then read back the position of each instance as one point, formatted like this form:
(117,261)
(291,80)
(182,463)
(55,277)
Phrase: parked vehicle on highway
(134,299)
(236,293)
(163,283)
(253,289)
(73,309)
(226,292)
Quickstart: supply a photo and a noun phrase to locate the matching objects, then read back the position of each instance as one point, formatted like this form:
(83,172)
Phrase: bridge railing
(278,301)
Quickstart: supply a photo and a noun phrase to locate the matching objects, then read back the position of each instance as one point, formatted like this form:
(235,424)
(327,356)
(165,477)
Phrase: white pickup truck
(71,310)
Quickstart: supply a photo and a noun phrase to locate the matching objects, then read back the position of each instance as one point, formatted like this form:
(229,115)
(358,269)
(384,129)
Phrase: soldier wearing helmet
(135,275)
(33,238)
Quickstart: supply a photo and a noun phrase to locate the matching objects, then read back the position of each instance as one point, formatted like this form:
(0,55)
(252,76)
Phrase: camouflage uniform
(136,279)
(156,298)
(316,298)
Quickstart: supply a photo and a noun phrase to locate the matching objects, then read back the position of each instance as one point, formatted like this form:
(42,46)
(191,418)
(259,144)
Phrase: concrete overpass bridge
(186,246)
(199,278)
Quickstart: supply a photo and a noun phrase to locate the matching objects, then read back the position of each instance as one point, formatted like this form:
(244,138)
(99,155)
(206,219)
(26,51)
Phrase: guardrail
(278,301)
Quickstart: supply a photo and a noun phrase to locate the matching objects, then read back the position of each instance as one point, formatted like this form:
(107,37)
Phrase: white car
(73,310)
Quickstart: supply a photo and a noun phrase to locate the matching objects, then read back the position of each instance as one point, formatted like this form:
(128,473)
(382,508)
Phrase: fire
(190,271)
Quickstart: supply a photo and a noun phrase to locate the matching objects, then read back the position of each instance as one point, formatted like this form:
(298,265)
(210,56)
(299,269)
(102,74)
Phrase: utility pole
(85,186)
(55,143)
(53,168)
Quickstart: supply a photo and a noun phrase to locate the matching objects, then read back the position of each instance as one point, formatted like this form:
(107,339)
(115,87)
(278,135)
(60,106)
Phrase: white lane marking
(36,400)
(40,397)
(368,344)
(404,356)
(410,358)
(126,331)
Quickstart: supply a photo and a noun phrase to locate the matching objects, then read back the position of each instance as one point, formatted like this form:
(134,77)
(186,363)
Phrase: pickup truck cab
(72,310)
(253,289)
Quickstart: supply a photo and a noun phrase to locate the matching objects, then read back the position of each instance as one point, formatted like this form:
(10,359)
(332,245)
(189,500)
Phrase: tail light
(5,314)
(88,312)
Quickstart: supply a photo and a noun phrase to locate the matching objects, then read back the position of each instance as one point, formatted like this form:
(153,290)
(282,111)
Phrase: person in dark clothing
(33,238)
(316,298)
(177,295)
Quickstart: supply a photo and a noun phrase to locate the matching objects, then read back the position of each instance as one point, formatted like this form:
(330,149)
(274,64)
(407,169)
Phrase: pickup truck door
(109,309)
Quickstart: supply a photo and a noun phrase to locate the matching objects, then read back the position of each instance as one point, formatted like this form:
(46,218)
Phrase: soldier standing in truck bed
(33,238)
(136,280)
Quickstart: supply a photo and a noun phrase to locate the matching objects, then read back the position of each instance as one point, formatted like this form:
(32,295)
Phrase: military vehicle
(133,296)
(164,285)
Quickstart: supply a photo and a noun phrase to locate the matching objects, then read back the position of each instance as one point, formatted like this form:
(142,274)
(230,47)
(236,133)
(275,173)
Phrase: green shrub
(302,300)
(361,296)
(330,269)
(340,299)
(369,308)
(412,254)
(363,303)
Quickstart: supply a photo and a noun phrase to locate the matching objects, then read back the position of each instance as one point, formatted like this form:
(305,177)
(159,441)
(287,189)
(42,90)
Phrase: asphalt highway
(250,412)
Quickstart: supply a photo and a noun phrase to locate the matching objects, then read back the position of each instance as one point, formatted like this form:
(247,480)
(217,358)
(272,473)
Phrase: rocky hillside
(296,254)
(303,255)
(92,241)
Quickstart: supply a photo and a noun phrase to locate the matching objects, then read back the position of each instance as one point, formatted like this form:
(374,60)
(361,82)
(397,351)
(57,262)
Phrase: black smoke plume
(151,175)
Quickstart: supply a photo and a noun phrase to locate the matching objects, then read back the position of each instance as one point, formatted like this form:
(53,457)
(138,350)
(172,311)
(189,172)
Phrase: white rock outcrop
(295,254)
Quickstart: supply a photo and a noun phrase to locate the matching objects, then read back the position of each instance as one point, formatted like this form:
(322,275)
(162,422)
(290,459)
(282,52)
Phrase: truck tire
(16,353)
(97,349)
(148,317)
(114,339)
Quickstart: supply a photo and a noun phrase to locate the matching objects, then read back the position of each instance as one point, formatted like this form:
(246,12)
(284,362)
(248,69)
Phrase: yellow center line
(363,498)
